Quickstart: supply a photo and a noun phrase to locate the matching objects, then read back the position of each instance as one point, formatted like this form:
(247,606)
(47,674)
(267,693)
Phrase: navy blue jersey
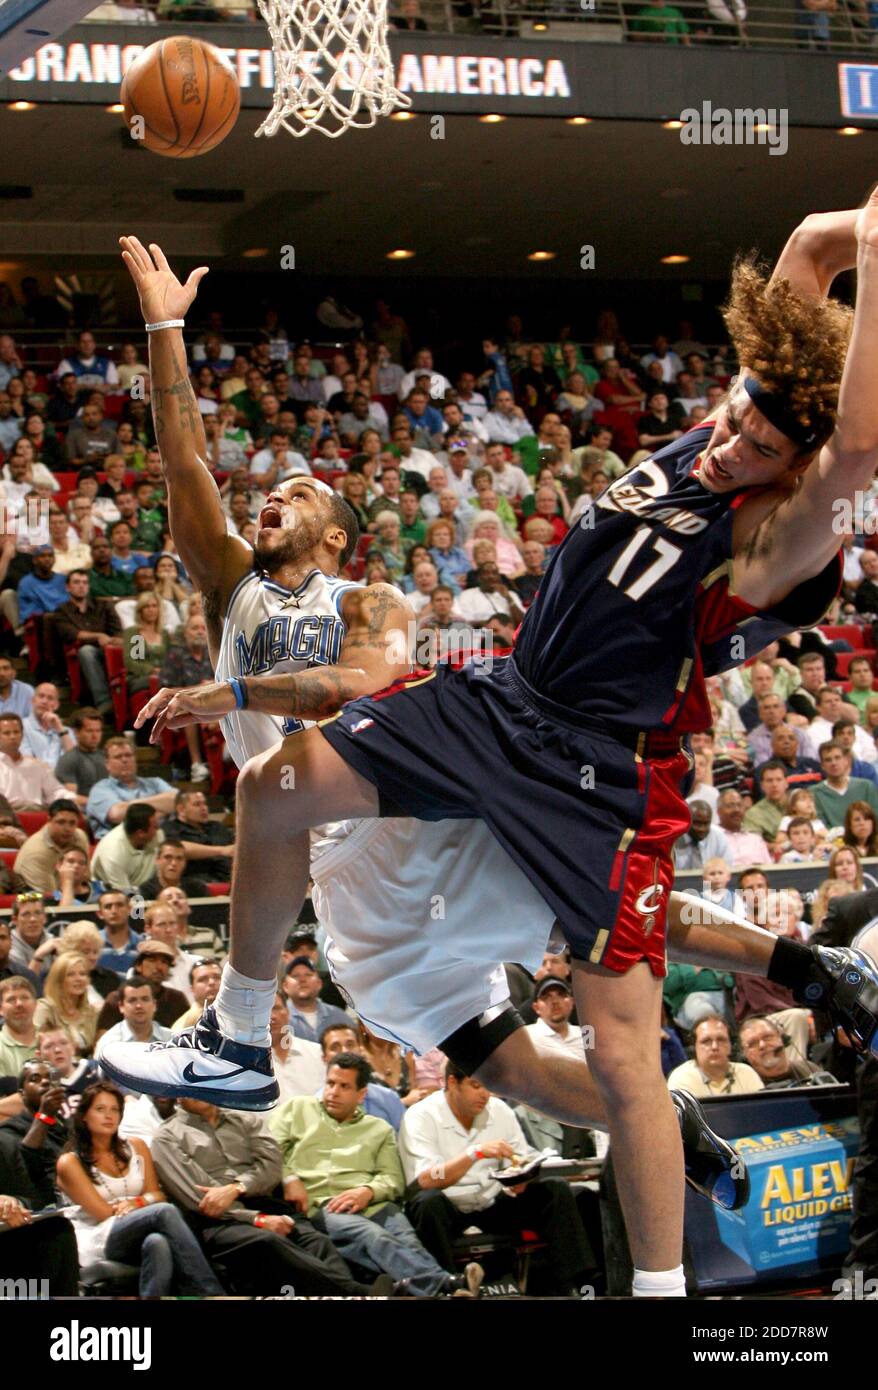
(635,606)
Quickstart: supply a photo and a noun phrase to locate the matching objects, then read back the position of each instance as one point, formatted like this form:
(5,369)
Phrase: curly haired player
(636,607)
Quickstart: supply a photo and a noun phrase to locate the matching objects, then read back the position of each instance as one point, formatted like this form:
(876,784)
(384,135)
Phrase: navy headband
(775,409)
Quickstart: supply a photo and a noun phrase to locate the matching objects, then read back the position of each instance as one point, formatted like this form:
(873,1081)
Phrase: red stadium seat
(115,663)
(218,890)
(849,633)
(843,660)
(7,899)
(8,857)
(32,821)
(74,672)
(68,481)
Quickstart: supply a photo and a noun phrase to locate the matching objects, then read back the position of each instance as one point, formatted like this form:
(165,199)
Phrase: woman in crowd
(119,1211)
(486,527)
(83,939)
(416,555)
(830,888)
(484,553)
(860,830)
(130,366)
(145,645)
(577,404)
(390,547)
(390,1066)
(65,1002)
(376,570)
(845,865)
(18,400)
(483,482)
(206,390)
(451,561)
(354,491)
(366,463)
(132,449)
(169,586)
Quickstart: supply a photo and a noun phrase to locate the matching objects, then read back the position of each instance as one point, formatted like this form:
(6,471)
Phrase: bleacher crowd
(377,1165)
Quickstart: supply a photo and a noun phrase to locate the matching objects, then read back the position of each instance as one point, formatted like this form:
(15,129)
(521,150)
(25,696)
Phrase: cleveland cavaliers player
(298,527)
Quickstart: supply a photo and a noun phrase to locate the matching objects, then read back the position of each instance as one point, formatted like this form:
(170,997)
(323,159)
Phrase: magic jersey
(636,604)
(268,628)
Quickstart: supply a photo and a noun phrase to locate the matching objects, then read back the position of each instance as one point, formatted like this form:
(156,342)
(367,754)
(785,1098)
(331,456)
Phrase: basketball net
(333,69)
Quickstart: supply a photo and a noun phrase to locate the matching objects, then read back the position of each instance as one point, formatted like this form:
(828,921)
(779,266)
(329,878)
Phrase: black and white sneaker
(713,1167)
(197,1064)
(845,984)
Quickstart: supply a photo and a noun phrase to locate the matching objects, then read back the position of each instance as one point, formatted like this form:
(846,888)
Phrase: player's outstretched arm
(805,531)
(820,248)
(214,560)
(375,652)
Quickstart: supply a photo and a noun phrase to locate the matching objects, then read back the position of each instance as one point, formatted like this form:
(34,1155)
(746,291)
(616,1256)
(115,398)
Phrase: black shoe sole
(264,1099)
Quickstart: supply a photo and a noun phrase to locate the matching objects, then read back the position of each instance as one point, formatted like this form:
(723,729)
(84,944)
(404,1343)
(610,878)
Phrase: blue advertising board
(796,1222)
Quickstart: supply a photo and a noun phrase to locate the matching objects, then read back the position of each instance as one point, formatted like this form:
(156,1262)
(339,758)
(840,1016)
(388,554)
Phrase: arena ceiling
(475,203)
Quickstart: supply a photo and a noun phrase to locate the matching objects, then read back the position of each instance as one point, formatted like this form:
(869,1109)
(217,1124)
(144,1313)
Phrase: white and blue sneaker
(197,1064)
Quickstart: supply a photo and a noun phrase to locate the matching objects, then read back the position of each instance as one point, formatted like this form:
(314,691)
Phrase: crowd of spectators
(464,481)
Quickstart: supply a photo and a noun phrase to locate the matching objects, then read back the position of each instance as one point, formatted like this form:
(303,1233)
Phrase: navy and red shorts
(590,818)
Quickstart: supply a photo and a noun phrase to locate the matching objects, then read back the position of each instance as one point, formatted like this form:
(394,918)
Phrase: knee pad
(470,1046)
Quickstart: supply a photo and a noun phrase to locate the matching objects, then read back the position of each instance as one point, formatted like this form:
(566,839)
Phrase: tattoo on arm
(310,694)
(180,390)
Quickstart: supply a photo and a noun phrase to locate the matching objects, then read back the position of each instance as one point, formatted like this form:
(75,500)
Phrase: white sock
(243,1007)
(659,1283)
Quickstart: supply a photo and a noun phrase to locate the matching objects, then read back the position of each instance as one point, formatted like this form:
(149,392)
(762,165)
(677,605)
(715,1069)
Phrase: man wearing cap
(41,591)
(459,472)
(153,962)
(137,1005)
(553,1005)
(308,1013)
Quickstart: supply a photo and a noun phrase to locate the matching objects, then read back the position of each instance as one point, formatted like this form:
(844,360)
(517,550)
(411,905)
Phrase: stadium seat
(849,633)
(8,857)
(843,660)
(74,671)
(108,1278)
(115,663)
(494,1248)
(218,890)
(32,821)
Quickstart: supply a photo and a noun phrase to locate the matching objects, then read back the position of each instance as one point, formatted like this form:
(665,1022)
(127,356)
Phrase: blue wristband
(239,690)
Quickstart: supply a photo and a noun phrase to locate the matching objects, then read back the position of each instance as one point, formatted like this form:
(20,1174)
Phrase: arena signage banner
(515,77)
(858,84)
(796,1222)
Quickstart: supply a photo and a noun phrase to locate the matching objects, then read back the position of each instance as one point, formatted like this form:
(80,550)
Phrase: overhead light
(540,26)
(22,106)
(672,125)
(404,116)
(675,259)
(493,119)
(116,109)
(308,113)
(850,130)
(763,125)
(542,256)
(579,120)
(401,253)
(254,252)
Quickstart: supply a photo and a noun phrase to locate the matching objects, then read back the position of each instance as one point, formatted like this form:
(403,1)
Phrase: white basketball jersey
(270,628)
(417,913)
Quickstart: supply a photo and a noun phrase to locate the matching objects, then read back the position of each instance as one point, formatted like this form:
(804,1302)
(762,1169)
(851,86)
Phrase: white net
(333,69)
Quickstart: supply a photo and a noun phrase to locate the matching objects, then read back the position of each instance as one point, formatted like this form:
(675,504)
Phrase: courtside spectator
(125,857)
(18,1036)
(712,1072)
(84,763)
(137,1005)
(209,846)
(27,783)
(40,854)
(111,796)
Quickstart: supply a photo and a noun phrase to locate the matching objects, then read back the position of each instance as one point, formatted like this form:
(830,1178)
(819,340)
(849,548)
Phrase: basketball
(181,97)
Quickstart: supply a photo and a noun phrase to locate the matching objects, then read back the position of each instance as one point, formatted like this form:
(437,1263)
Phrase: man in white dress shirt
(449,1144)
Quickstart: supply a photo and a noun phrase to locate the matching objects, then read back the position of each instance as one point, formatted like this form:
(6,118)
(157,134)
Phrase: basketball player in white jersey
(416,975)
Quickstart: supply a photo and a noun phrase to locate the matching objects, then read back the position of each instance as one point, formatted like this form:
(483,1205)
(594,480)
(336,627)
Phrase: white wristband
(166,323)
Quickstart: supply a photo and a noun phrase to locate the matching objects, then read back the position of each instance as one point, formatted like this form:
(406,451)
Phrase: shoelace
(188,1038)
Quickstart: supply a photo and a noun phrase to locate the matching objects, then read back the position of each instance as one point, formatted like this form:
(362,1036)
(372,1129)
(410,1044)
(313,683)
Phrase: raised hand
(162,296)
(195,704)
